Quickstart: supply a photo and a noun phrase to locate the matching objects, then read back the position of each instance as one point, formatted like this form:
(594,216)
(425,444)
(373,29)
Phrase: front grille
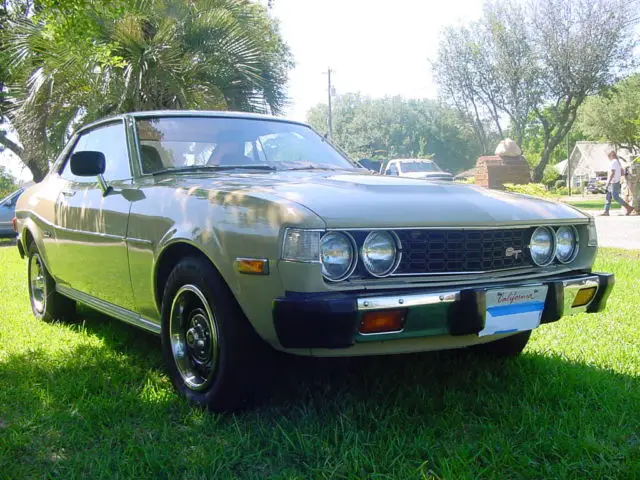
(453,251)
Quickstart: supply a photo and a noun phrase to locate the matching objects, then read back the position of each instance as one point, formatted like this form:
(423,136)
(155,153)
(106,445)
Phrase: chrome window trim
(89,129)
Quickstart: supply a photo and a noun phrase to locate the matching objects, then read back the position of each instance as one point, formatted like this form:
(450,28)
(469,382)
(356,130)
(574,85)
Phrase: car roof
(190,113)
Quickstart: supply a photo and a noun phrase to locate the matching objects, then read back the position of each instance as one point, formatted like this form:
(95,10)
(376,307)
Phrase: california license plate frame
(513,309)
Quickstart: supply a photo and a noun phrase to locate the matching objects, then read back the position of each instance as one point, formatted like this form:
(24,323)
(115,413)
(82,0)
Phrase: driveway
(617,231)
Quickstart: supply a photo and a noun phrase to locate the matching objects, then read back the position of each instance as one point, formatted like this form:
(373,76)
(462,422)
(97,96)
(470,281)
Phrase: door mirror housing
(90,164)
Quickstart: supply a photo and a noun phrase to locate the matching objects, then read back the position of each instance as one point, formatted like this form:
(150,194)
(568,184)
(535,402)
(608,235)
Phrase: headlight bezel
(576,244)
(552,253)
(397,253)
(354,256)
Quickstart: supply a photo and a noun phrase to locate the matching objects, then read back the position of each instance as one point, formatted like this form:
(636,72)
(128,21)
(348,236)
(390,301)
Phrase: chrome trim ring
(396,261)
(194,338)
(354,257)
(576,246)
(37,284)
(552,255)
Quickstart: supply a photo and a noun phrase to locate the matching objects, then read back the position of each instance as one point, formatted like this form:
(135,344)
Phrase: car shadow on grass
(7,242)
(107,407)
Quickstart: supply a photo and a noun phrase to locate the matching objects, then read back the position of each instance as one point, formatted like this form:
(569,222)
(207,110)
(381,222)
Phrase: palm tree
(140,55)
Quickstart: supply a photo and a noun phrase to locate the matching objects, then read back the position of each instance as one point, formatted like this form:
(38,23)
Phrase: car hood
(359,200)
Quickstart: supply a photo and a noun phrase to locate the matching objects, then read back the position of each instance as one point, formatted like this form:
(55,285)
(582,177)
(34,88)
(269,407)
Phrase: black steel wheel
(214,357)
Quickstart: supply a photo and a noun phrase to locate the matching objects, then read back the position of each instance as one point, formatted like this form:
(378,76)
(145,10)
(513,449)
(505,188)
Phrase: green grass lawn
(594,204)
(89,398)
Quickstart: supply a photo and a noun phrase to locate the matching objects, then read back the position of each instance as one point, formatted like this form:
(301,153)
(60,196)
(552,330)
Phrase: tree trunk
(539,170)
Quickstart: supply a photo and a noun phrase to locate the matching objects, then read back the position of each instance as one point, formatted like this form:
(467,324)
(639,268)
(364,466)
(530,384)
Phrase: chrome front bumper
(333,320)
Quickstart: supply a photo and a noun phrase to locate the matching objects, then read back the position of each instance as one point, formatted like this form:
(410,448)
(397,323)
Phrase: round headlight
(542,246)
(337,255)
(379,253)
(566,244)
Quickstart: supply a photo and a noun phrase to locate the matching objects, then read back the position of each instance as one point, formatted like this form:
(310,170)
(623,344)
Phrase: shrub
(534,189)
(469,180)
(550,176)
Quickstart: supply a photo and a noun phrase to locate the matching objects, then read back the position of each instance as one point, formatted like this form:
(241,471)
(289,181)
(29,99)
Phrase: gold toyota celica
(229,233)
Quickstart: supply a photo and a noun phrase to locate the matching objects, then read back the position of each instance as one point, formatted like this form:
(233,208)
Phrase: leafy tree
(78,60)
(7,182)
(381,129)
(614,116)
(534,63)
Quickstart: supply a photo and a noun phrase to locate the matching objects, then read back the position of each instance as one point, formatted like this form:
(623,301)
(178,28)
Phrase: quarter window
(112,142)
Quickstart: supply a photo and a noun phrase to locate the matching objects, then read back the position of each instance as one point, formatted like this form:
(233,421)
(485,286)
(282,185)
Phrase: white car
(417,168)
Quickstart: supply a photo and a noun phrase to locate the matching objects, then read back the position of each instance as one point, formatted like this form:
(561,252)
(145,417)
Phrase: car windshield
(416,167)
(181,142)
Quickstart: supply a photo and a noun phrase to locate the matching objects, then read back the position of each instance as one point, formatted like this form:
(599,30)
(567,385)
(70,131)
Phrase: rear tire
(511,346)
(46,303)
(213,356)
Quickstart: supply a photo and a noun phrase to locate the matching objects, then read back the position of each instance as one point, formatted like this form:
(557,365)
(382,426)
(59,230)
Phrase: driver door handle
(68,193)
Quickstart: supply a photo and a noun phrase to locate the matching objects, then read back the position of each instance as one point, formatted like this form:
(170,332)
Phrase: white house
(591,160)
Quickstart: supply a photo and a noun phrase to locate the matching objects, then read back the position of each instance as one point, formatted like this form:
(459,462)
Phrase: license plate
(513,309)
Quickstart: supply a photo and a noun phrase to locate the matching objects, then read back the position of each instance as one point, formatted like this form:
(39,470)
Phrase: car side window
(392,169)
(112,142)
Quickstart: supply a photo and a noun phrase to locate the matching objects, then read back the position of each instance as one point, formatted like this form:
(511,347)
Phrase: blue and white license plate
(514,309)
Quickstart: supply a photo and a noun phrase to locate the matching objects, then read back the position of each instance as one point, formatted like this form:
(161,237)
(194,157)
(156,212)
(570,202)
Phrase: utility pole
(329,119)
(568,164)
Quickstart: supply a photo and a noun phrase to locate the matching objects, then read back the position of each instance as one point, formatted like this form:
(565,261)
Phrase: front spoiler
(332,320)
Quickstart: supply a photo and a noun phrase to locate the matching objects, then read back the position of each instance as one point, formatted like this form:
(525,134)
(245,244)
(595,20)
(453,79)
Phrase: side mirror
(90,164)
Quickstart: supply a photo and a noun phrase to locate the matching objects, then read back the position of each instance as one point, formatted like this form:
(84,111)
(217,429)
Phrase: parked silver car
(7,213)
(228,233)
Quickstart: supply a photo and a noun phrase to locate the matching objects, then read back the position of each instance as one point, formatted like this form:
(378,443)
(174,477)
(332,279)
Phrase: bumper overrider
(340,320)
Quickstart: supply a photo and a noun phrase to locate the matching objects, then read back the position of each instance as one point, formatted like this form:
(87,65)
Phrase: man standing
(613,185)
(634,186)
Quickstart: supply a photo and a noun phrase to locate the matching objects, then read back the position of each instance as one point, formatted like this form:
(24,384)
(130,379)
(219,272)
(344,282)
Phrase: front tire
(212,354)
(46,303)
(510,346)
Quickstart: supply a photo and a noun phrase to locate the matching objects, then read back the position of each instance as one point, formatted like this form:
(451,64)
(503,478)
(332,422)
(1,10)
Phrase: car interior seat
(151,160)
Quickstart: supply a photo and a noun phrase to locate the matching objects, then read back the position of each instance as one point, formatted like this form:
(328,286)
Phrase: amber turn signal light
(381,321)
(255,266)
(583,297)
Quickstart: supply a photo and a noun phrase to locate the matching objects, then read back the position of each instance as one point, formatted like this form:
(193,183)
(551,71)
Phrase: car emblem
(512,252)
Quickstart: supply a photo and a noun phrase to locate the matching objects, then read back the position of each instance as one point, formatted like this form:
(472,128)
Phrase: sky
(376,47)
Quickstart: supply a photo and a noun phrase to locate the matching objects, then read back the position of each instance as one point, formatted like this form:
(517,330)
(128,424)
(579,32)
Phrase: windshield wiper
(216,168)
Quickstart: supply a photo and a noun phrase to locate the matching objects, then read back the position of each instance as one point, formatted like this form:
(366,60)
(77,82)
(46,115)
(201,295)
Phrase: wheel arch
(27,236)
(169,257)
